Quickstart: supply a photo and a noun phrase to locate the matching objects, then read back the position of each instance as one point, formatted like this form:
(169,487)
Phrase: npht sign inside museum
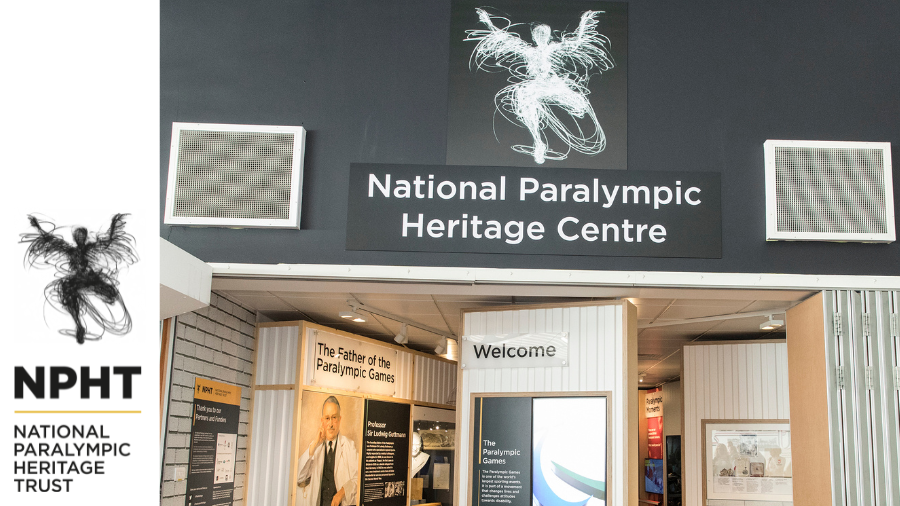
(475,209)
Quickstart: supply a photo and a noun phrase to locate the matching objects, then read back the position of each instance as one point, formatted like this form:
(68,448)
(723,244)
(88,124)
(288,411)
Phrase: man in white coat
(329,467)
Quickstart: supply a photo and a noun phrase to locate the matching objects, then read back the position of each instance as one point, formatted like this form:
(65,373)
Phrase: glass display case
(747,460)
(432,456)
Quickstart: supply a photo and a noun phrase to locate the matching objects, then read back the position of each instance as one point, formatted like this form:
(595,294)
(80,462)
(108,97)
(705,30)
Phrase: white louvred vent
(829,191)
(235,175)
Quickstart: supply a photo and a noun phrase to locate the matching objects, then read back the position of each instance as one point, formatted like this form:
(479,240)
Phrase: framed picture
(747,460)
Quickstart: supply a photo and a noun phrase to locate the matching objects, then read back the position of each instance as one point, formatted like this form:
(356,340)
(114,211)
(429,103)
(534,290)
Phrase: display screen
(569,459)
(654,475)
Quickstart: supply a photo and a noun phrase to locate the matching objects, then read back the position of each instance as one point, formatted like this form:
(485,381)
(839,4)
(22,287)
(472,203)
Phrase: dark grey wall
(708,83)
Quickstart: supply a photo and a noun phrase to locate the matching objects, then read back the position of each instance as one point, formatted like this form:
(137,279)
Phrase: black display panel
(501,463)
(214,430)
(385,456)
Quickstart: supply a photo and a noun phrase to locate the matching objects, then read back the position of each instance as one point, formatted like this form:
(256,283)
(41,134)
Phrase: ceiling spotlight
(352,316)
(402,338)
(641,377)
(441,347)
(771,324)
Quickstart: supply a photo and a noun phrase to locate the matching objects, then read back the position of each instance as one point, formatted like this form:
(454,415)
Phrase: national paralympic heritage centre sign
(471,209)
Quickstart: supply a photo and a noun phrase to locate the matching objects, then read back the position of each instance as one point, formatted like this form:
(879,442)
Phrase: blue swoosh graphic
(540,488)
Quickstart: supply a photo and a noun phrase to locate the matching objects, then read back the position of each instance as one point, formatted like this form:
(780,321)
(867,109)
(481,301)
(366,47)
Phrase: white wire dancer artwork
(548,76)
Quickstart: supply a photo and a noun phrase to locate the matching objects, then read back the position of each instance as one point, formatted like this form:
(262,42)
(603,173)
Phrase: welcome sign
(515,350)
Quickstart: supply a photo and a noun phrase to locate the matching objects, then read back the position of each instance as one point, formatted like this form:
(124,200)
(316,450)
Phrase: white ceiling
(667,311)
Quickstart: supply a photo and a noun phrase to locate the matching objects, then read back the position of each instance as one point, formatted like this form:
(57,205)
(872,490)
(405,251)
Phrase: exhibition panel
(353,392)
(385,454)
(603,357)
(355,364)
(556,454)
(748,460)
(659,443)
(211,476)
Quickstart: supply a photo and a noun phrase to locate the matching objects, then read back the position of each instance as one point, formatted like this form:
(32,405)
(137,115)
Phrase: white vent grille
(235,175)
(829,191)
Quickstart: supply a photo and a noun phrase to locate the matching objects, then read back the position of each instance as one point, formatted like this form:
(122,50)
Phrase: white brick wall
(214,343)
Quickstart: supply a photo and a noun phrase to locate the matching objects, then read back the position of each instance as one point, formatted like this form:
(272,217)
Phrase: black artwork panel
(483,123)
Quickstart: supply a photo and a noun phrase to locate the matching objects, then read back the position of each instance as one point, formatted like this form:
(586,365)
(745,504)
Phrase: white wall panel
(404,375)
(276,355)
(728,381)
(597,362)
(269,476)
(435,381)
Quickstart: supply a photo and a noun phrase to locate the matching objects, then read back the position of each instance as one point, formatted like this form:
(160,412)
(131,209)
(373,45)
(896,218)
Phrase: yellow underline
(42,412)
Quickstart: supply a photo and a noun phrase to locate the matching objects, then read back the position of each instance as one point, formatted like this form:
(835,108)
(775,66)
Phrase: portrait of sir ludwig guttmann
(328,465)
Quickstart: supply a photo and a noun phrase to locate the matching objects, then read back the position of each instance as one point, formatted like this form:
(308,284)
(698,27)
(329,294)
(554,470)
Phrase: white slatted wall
(728,381)
(597,356)
(276,355)
(268,479)
(863,353)
(435,381)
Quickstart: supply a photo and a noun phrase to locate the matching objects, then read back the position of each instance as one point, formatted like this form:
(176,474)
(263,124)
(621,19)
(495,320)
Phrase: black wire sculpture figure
(86,284)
